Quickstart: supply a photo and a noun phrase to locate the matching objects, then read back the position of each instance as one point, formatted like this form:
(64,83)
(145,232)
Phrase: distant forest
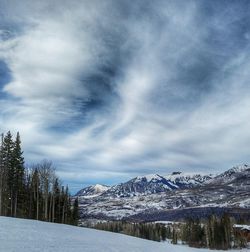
(213,233)
(32,192)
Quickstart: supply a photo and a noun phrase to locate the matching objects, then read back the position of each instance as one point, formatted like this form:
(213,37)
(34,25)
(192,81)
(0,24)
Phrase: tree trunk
(37,203)
(50,208)
(46,205)
(30,205)
(11,203)
(63,211)
(53,209)
(15,208)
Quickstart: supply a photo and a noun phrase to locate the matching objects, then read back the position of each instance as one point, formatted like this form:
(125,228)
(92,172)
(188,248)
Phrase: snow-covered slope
(92,191)
(20,235)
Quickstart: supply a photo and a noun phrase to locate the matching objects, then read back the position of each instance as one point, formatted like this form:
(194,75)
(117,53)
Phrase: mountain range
(149,195)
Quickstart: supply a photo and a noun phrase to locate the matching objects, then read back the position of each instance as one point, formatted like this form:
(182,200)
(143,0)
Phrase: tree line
(214,233)
(150,231)
(32,192)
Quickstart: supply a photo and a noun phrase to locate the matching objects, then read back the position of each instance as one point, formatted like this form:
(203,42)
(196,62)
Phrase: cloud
(109,90)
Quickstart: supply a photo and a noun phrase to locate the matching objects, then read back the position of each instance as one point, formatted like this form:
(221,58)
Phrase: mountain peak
(92,191)
(239,168)
(232,174)
(148,177)
(100,188)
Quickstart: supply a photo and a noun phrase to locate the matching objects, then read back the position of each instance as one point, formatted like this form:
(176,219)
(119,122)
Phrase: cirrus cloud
(109,90)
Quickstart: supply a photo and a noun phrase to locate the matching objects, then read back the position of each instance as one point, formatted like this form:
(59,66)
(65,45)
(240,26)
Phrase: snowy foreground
(29,235)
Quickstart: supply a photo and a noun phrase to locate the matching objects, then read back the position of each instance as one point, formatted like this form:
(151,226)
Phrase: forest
(213,233)
(33,192)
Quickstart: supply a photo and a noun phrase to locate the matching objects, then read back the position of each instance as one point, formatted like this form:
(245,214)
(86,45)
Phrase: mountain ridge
(149,184)
(143,195)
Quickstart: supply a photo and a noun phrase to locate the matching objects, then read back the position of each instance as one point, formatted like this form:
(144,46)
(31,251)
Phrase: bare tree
(46,173)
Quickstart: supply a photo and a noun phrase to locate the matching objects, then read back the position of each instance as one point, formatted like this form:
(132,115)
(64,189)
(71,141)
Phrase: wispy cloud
(112,89)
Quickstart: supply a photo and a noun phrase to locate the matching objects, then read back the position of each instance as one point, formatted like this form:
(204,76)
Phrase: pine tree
(18,177)
(174,236)
(75,213)
(163,232)
(67,211)
(32,193)
(7,152)
(28,197)
(2,173)
(35,188)
(226,225)
(56,202)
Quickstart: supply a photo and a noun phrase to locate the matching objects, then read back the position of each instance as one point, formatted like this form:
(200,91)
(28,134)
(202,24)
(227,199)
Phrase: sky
(109,90)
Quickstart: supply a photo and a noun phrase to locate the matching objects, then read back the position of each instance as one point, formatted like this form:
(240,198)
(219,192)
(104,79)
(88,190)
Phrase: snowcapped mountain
(232,175)
(92,191)
(186,180)
(153,193)
(141,185)
(155,183)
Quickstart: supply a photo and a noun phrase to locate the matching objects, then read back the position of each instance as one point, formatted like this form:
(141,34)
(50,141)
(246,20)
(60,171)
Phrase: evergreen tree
(219,232)
(18,177)
(2,175)
(56,202)
(174,236)
(68,207)
(75,213)
(163,232)
(226,225)
(8,190)
(31,193)
(196,236)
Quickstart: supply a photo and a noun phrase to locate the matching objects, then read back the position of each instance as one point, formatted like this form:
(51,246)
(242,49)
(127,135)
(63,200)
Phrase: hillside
(29,235)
